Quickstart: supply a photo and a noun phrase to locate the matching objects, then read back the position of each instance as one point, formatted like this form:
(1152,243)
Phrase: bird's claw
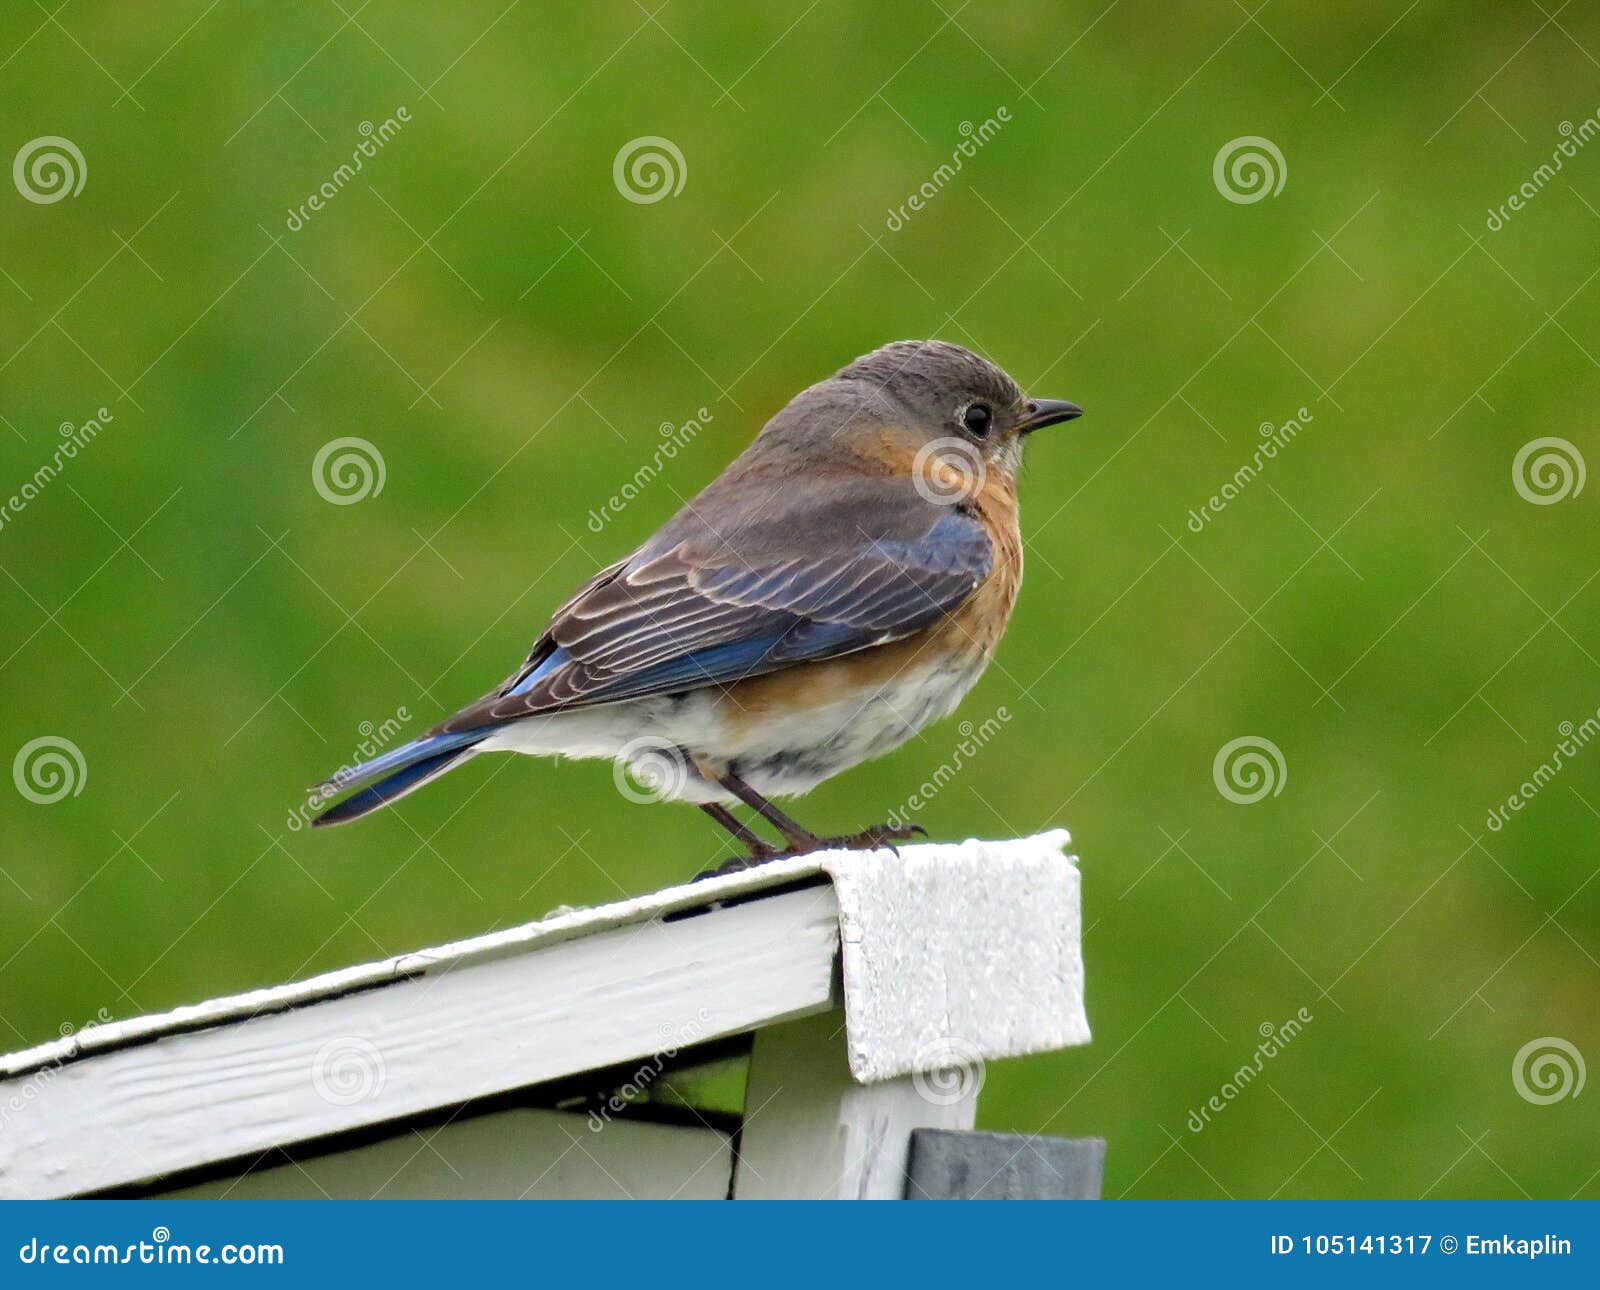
(873,838)
(877,836)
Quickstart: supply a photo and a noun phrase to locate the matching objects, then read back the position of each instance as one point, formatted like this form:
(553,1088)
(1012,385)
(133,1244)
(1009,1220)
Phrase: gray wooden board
(948,1165)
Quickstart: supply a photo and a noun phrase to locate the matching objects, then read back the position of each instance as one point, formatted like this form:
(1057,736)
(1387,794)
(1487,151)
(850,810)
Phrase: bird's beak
(1047,412)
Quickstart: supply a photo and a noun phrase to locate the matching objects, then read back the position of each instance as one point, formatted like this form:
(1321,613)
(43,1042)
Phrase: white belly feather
(776,757)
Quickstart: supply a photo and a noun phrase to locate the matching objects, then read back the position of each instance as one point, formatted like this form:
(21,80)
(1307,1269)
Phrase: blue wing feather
(721,664)
(409,777)
(689,613)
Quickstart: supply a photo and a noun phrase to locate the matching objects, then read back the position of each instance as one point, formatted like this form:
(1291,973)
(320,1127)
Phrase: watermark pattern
(373,138)
(973,137)
(49,768)
(648,169)
(973,740)
(23,1094)
(1249,168)
(374,739)
(348,470)
(102,1017)
(49,168)
(1548,470)
(1574,738)
(639,1082)
(1274,439)
(674,438)
(1248,769)
(948,470)
(74,439)
(1548,1069)
(650,769)
(1274,1039)
(348,1070)
(948,1070)
(1573,138)
(160,1250)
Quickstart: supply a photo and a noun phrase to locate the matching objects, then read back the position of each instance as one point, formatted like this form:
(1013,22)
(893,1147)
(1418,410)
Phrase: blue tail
(394,774)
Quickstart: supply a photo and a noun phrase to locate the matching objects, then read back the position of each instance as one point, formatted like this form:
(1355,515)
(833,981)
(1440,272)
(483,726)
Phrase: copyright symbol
(1447,1244)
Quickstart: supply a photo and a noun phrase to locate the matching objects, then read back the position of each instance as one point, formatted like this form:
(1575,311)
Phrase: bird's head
(932,407)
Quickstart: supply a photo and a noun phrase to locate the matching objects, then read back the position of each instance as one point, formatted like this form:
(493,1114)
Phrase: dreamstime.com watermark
(649,168)
(1548,470)
(973,740)
(649,769)
(973,137)
(49,168)
(373,138)
(25,1092)
(1249,168)
(1274,439)
(160,1250)
(948,471)
(348,1070)
(948,1070)
(674,439)
(639,1082)
(49,768)
(1274,1039)
(74,439)
(1574,739)
(374,739)
(1247,769)
(348,470)
(1547,1070)
(1573,138)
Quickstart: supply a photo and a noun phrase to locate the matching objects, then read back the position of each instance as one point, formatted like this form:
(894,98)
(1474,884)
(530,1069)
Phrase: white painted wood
(487,1025)
(811,1132)
(522,1154)
(561,926)
(976,941)
(951,954)
(966,951)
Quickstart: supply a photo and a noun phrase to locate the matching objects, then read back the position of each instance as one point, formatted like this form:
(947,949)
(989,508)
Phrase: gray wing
(724,594)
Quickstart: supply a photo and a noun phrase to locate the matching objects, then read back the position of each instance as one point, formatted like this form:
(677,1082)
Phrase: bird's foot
(869,839)
(878,835)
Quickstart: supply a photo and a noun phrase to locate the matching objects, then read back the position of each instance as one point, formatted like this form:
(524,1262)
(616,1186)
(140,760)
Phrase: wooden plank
(487,1025)
(564,925)
(522,1154)
(958,910)
(1003,1166)
(810,1131)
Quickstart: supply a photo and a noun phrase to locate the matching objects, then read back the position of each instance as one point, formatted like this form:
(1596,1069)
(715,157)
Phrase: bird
(841,584)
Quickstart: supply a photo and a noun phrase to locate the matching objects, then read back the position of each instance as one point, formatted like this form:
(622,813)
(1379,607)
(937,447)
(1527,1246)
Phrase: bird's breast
(908,682)
(983,616)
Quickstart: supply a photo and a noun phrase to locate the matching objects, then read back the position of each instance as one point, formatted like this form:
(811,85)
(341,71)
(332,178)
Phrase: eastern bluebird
(843,583)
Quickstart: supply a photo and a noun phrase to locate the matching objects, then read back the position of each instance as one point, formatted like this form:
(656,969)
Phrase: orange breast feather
(968,635)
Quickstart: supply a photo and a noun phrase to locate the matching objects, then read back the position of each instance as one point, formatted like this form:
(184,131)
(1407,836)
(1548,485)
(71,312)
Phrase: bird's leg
(759,850)
(800,840)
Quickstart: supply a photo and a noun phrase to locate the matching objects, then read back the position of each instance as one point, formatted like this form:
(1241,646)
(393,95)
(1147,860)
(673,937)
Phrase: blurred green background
(509,331)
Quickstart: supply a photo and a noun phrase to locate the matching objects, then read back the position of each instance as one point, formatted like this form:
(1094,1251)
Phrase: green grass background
(1381,603)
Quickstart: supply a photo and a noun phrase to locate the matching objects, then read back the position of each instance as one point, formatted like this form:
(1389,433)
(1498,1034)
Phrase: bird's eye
(976,418)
